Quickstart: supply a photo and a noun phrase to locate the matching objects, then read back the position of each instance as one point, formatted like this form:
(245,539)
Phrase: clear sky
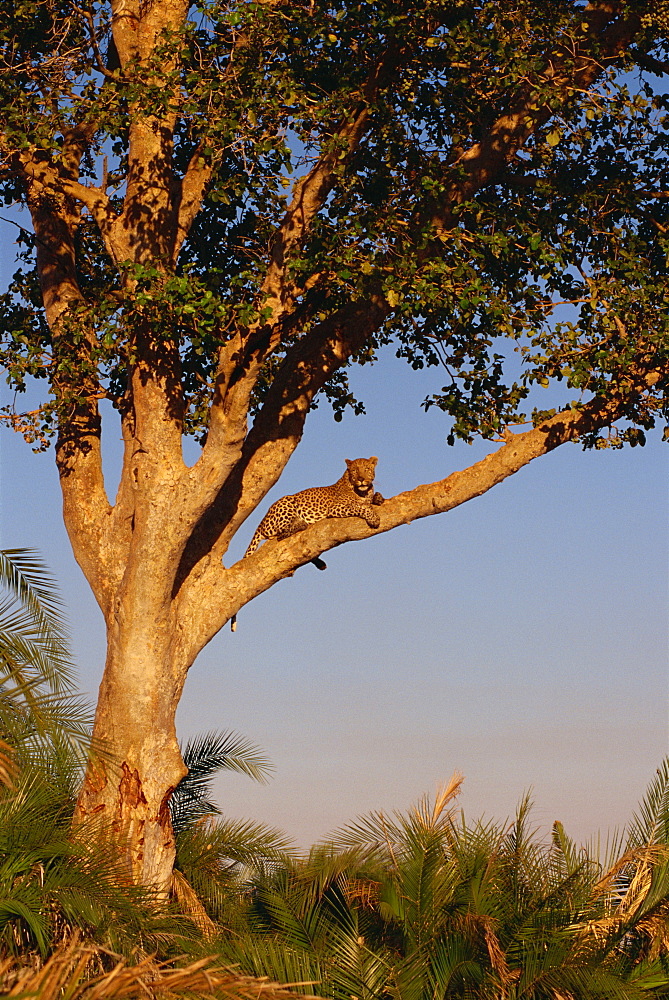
(520,639)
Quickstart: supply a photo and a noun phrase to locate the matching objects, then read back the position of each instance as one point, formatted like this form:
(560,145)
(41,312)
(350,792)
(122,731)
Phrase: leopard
(352,495)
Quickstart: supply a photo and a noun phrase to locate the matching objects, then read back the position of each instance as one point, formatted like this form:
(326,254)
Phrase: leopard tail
(254,543)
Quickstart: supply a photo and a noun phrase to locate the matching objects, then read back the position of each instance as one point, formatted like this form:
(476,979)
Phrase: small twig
(102,67)
(27,232)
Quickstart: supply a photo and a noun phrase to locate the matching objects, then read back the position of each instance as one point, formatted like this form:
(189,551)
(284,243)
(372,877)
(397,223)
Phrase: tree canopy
(434,175)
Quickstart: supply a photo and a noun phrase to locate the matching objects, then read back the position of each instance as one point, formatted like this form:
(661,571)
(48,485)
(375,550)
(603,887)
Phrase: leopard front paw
(373,519)
(377,500)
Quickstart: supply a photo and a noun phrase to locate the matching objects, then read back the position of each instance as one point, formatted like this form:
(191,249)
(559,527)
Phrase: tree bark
(138,764)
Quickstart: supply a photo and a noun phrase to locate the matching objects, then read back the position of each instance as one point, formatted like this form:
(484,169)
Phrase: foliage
(38,704)
(410,906)
(216,863)
(468,273)
(424,904)
(216,856)
(52,881)
(68,973)
(204,756)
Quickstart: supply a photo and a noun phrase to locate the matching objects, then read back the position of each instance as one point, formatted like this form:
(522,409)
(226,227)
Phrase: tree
(231,203)
(51,884)
(54,885)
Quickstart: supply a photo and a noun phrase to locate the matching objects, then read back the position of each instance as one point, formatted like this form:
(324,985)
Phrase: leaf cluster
(521,285)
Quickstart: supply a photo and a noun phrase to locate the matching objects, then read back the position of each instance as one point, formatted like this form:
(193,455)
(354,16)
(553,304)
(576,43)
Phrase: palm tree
(217,856)
(424,906)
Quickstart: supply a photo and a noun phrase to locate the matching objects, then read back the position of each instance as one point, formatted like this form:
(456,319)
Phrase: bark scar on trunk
(130,788)
(164,818)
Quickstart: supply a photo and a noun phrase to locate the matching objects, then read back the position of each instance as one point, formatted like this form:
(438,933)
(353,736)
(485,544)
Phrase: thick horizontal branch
(279,425)
(222,592)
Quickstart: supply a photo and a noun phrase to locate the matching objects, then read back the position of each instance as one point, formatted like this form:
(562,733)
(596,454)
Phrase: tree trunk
(129,782)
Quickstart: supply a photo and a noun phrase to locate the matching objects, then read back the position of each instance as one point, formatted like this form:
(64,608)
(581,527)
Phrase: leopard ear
(373,460)
(349,463)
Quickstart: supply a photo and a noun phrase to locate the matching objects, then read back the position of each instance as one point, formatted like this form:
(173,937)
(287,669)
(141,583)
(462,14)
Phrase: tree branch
(657,66)
(241,359)
(311,192)
(311,362)
(189,197)
(232,588)
(78,455)
(276,432)
(482,162)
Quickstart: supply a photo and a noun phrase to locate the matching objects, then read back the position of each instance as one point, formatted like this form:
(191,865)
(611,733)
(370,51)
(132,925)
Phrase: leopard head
(361,474)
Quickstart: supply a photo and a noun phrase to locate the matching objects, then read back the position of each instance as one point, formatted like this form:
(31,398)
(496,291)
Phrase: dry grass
(67,976)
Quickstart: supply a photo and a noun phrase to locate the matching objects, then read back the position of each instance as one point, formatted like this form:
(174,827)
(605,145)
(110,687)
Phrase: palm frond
(268,957)
(67,974)
(431,815)
(37,700)
(31,587)
(424,906)
(189,902)
(650,823)
(374,836)
(204,756)
(221,858)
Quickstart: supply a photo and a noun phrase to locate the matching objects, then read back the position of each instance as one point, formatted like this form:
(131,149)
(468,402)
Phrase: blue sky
(520,639)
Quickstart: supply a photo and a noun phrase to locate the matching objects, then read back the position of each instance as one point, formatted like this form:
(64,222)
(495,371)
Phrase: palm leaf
(650,824)
(25,577)
(67,974)
(37,704)
(268,957)
(218,858)
(204,756)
